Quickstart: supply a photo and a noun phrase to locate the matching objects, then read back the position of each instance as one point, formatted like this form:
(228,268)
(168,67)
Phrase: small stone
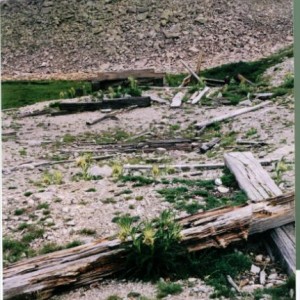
(269,285)
(273,276)
(254,269)
(262,277)
(259,258)
(161,150)
(194,49)
(223,189)
(192,280)
(218,181)
(292,293)
(65,209)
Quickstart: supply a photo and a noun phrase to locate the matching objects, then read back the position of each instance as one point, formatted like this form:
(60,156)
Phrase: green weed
(168,288)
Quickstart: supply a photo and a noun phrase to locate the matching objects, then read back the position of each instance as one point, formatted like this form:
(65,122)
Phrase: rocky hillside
(48,36)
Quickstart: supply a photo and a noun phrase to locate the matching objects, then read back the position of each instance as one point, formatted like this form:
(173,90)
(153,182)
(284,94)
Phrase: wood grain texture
(251,177)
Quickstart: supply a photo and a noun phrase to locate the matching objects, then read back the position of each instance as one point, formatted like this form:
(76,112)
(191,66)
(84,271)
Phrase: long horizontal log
(113,104)
(48,274)
(232,114)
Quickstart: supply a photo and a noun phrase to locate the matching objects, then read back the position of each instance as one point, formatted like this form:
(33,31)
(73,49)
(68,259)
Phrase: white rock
(255,269)
(65,209)
(223,189)
(259,258)
(161,150)
(96,171)
(218,181)
(273,276)
(262,277)
(269,285)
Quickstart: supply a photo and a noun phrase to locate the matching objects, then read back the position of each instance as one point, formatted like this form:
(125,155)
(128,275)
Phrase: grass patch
(21,93)
(186,195)
(87,231)
(19,211)
(43,206)
(277,293)
(138,180)
(168,288)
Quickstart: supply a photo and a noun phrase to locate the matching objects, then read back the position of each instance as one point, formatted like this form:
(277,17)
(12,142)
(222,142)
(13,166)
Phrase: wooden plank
(250,175)
(113,104)
(200,95)
(284,243)
(232,114)
(258,185)
(177,100)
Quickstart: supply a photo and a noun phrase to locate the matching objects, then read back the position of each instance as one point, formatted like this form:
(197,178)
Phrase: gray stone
(272,276)
(161,150)
(259,258)
(223,189)
(218,181)
(96,171)
(255,269)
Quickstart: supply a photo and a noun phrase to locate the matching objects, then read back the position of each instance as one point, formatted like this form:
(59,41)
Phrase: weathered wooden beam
(177,100)
(46,275)
(113,104)
(232,114)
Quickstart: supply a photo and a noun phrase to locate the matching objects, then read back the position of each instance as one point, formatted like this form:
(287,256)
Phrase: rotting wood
(200,95)
(251,143)
(258,185)
(50,163)
(283,244)
(189,167)
(145,76)
(145,146)
(191,71)
(113,104)
(250,175)
(71,268)
(263,96)
(35,113)
(111,115)
(207,146)
(177,100)
(232,114)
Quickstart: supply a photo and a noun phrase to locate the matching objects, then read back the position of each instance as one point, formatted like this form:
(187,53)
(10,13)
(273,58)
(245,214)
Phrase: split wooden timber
(232,114)
(104,104)
(258,185)
(145,76)
(46,275)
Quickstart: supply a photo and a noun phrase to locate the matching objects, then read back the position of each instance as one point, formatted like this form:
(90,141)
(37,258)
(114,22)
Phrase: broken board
(177,100)
(258,185)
